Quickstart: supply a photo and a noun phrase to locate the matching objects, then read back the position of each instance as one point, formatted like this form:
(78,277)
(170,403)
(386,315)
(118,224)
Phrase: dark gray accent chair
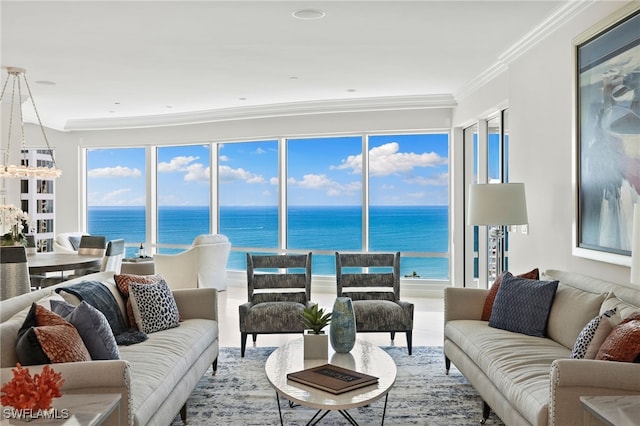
(278,290)
(372,281)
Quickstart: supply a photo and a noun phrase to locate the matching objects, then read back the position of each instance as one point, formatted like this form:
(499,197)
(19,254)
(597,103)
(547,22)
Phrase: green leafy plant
(315,319)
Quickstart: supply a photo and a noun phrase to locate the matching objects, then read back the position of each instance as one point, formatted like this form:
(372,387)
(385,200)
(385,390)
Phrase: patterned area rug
(239,394)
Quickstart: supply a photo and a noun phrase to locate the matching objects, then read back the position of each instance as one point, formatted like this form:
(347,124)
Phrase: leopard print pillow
(154,307)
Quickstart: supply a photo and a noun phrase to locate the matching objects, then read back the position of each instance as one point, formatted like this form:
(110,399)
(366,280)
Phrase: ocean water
(402,228)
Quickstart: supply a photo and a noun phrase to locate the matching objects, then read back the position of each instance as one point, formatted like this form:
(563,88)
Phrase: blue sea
(400,228)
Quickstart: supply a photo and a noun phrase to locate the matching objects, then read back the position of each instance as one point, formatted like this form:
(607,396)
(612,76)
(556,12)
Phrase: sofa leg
(409,339)
(255,337)
(183,413)
(486,410)
(447,365)
(243,343)
(393,335)
(214,367)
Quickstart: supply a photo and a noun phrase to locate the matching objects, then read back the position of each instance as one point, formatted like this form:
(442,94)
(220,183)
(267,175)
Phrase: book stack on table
(333,379)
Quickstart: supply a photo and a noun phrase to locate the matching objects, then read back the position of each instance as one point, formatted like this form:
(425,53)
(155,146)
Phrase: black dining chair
(14,272)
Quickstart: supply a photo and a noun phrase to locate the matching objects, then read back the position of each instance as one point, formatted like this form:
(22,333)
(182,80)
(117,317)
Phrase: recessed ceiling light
(309,14)
(242,99)
(351,90)
(293,78)
(46,82)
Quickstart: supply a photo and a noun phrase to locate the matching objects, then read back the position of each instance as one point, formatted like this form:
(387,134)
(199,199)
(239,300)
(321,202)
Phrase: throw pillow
(609,320)
(45,337)
(154,307)
(491,296)
(93,327)
(522,305)
(587,334)
(623,343)
(123,281)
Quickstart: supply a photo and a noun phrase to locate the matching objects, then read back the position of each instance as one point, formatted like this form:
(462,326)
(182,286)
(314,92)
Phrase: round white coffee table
(364,358)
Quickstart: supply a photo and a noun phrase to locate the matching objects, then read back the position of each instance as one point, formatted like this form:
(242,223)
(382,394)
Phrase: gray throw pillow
(93,327)
(523,305)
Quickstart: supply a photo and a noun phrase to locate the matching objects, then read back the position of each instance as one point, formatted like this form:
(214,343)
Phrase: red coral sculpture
(26,392)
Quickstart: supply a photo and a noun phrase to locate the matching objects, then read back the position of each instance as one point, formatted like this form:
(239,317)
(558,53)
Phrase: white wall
(539,87)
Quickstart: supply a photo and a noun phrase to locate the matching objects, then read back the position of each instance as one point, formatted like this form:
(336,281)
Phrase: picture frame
(607,137)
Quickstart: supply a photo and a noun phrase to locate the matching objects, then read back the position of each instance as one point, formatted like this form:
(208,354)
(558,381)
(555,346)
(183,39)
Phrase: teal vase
(342,330)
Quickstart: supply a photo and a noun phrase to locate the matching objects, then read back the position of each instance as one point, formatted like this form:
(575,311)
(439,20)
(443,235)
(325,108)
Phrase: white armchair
(63,242)
(202,265)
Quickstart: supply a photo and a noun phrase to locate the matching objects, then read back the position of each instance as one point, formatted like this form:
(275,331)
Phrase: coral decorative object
(342,331)
(35,393)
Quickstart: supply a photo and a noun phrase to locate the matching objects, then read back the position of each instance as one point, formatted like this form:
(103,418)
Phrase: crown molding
(266,111)
(528,41)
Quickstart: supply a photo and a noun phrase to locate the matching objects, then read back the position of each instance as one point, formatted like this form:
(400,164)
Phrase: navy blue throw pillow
(523,305)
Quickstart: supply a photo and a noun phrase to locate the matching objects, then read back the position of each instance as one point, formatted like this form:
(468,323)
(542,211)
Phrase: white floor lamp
(499,205)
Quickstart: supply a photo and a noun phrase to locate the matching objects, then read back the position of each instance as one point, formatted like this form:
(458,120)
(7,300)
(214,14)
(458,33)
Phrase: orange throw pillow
(623,343)
(493,291)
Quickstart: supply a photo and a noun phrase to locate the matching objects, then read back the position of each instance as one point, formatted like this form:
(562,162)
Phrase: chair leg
(486,410)
(255,337)
(393,335)
(447,364)
(243,343)
(183,413)
(214,366)
(409,339)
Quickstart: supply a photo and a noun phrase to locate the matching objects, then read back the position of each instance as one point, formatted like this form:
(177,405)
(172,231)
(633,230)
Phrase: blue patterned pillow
(523,305)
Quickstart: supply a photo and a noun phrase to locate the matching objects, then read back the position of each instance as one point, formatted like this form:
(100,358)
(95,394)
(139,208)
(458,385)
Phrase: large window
(324,197)
(320,194)
(183,194)
(116,194)
(248,196)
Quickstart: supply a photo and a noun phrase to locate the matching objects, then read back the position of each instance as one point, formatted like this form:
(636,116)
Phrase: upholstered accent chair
(14,272)
(278,290)
(67,242)
(204,264)
(372,281)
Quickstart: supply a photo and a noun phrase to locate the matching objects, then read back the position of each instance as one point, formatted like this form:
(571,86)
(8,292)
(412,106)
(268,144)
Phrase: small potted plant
(316,342)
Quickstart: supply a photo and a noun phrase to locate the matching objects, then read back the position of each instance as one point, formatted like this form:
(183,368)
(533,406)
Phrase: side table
(73,410)
(138,266)
(611,410)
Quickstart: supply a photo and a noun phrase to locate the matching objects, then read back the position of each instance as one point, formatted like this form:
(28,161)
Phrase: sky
(404,170)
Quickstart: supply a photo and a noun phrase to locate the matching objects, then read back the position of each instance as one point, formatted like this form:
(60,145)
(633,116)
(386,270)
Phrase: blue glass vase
(342,330)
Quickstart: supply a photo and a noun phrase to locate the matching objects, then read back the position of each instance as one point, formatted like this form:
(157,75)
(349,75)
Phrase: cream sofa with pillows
(155,377)
(529,380)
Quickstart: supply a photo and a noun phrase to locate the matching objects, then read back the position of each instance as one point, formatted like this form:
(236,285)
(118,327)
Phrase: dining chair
(14,272)
(90,245)
(278,290)
(37,281)
(372,281)
(112,260)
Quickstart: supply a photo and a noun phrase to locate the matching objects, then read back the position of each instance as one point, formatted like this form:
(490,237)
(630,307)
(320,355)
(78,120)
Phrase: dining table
(41,263)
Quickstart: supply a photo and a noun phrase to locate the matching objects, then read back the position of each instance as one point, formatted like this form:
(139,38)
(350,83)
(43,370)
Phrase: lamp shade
(635,246)
(497,204)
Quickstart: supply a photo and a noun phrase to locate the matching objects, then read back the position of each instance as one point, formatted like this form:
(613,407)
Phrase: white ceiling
(112,61)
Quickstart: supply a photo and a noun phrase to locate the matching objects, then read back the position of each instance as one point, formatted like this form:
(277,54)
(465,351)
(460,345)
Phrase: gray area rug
(239,394)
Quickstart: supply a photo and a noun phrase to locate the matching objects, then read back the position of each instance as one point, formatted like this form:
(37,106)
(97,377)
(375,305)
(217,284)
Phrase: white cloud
(177,164)
(323,183)
(385,160)
(228,174)
(260,151)
(223,158)
(441,179)
(197,173)
(114,172)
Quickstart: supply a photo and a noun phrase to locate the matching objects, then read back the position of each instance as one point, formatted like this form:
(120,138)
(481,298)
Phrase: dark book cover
(332,378)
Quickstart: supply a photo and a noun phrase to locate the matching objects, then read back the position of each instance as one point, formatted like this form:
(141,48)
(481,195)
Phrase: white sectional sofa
(154,377)
(530,380)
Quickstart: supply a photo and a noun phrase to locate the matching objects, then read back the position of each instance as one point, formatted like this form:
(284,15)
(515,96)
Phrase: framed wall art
(607,129)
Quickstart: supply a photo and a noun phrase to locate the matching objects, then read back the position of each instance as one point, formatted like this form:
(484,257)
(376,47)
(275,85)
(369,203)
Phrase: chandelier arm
(44,135)
(4,88)
(13,96)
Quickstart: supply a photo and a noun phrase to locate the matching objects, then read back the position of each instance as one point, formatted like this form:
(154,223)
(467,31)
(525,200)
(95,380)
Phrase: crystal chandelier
(23,169)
